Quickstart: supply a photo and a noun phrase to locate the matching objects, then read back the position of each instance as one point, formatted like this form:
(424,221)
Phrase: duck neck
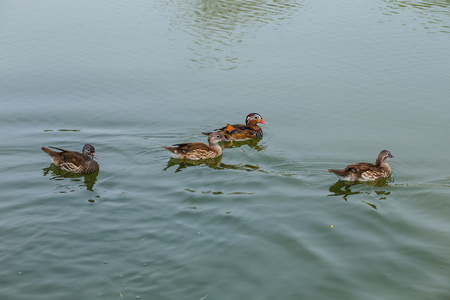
(215,147)
(254,125)
(383,164)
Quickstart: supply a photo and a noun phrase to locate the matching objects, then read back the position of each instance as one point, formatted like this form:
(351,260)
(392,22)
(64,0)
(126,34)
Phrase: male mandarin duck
(73,161)
(366,171)
(196,151)
(241,132)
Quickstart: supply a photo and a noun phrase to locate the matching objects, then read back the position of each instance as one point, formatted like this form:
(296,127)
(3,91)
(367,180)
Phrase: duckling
(73,161)
(241,132)
(196,151)
(366,171)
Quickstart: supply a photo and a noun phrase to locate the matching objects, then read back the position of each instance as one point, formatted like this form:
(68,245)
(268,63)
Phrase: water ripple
(432,15)
(216,27)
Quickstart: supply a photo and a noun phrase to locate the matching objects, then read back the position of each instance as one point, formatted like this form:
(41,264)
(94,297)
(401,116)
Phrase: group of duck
(84,163)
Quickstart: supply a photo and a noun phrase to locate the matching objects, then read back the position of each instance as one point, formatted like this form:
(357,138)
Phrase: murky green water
(336,82)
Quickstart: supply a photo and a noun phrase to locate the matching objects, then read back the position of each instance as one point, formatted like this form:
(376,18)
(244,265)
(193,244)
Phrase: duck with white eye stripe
(242,132)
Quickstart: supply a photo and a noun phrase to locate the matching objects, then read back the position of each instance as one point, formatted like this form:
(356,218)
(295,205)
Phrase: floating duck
(73,161)
(241,132)
(196,151)
(366,171)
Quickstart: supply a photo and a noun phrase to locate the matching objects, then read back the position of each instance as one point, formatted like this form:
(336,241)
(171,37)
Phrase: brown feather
(366,171)
(242,132)
(73,161)
(197,151)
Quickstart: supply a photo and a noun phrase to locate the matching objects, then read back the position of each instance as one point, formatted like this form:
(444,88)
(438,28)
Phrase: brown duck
(242,132)
(73,161)
(196,151)
(366,171)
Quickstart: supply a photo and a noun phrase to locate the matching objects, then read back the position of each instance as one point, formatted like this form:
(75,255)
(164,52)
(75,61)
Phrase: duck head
(88,149)
(254,118)
(215,137)
(383,157)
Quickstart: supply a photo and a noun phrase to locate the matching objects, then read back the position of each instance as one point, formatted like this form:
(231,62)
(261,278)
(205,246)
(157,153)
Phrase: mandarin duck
(73,161)
(366,171)
(241,132)
(196,151)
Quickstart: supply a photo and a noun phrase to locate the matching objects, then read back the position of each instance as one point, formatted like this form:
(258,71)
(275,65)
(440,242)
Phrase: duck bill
(262,121)
(94,156)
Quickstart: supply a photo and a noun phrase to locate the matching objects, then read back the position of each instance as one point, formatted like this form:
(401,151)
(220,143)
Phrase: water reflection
(209,192)
(58,174)
(183,164)
(217,26)
(434,13)
(254,143)
(341,188)
(214,163)
(243,167)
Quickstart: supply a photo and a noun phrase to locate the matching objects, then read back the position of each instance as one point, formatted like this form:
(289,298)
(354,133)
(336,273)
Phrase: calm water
(336,81)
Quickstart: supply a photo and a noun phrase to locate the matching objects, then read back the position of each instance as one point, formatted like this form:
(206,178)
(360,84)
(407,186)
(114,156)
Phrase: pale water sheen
(337,81)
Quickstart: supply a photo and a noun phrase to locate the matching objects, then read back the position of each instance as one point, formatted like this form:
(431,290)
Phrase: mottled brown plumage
(242,132)
(73,161)
(366,171)
(195,151)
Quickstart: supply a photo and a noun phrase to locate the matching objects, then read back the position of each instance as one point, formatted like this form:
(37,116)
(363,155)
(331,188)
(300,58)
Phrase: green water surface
(336,81)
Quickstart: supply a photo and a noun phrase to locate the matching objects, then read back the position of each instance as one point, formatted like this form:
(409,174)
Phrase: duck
(242,132)
(73,161)
(197,151)
(366,171)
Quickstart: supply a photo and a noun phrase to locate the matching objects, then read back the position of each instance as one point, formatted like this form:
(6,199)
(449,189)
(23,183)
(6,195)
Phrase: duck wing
(59,149)
(189,147)
(235,126)
(360,167)
(65,156)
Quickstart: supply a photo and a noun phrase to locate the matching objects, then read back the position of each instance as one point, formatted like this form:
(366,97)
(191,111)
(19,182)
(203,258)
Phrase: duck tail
(48,151)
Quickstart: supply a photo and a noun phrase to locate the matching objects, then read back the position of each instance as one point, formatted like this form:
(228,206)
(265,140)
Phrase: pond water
(336,81)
